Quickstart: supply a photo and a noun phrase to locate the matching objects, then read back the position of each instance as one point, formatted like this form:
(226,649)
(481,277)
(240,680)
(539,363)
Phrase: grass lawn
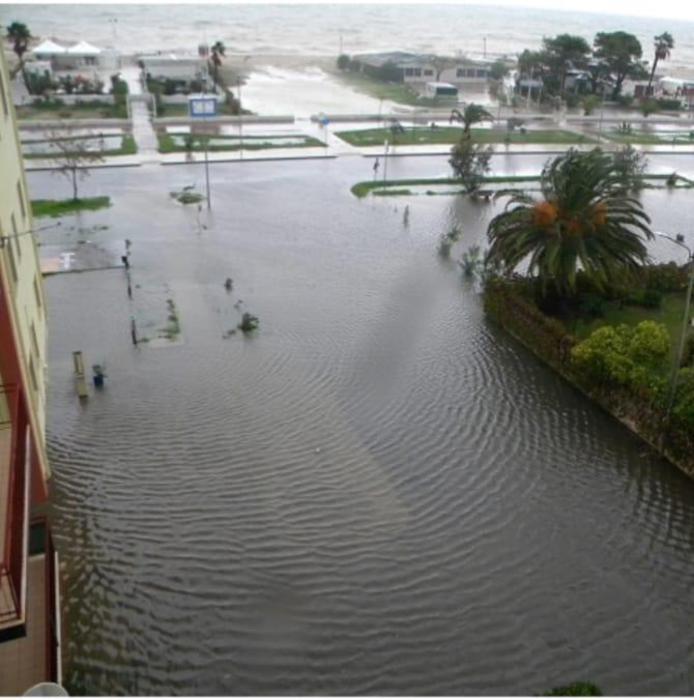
(361,189)
(650,139)
(128,147)
(60,207)
(452,134)
(395,92)
(78,111)
(670,313)
(250,143)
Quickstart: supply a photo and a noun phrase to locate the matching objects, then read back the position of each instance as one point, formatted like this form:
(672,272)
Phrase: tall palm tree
(585,219)
(472,114)
(18,33)
(663,44)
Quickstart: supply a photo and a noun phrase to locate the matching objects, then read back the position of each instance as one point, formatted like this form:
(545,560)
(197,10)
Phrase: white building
(81,59)
(173,67)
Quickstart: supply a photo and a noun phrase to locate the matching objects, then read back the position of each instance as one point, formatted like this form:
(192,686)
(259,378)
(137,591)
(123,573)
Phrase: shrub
(671,180)
(627,356)
(579,688)
(248,323)
(683,408)
(624,100)
(688,353)
(649,106)
(471,262)
(647,298)
(343,61)
(590,102)
(669,104)
(447,240)
(572,101)
(666,277)
(592,305)
(470,162)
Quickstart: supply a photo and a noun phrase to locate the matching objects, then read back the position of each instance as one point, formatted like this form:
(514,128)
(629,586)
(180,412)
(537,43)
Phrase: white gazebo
(47,50)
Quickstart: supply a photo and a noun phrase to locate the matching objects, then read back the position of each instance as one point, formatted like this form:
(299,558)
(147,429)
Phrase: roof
(83,49)
(49,47)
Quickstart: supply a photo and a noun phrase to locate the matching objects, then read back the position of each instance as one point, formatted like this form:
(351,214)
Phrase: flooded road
(378,493)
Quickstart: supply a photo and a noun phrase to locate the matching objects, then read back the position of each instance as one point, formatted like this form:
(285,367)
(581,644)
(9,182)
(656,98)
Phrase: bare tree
(75,154)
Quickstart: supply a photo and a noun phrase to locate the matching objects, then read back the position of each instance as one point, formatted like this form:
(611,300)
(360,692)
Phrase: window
(428,72)
(3,97)
(481,72)
(20,196)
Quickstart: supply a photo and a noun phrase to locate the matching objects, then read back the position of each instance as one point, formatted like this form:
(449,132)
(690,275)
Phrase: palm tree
(584,219)
(217,51)
(19,34)
(663,45)
(472,114)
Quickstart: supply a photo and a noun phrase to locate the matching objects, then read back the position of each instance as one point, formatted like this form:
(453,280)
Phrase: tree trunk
(650,80)
(74,184)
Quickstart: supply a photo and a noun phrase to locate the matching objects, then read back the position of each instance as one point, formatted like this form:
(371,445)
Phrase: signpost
(202,107)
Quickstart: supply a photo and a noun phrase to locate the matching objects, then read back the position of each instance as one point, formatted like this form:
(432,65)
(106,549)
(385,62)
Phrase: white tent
(49,48)
(83,49)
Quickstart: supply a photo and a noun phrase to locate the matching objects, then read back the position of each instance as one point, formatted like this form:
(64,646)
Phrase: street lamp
(679,240)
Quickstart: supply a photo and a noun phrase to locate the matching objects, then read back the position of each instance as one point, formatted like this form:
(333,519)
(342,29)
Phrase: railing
(14,548)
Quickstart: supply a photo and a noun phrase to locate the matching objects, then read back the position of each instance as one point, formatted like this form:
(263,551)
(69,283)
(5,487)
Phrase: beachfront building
(179,68)
(420,69)
(29,592)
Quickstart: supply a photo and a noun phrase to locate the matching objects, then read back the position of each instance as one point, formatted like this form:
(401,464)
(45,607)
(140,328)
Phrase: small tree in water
(73,157)
(447,240)
(470,163)
(249,323)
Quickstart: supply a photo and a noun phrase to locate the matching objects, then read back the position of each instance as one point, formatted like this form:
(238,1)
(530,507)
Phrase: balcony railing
(14,494)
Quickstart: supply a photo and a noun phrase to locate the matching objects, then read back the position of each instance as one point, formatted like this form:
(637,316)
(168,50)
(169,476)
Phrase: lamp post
(679,240)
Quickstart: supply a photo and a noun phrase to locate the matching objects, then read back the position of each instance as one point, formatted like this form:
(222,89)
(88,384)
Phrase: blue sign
(201,107)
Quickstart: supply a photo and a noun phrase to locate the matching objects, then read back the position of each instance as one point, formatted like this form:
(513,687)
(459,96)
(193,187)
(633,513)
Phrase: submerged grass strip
(361,189)
(254,143)
(60,207)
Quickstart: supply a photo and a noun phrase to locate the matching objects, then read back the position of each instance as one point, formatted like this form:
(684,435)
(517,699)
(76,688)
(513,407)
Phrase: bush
(688,354)
(624,100)
(343,61)
(579,688)
(248,323)
(649,106)
(683,408)
(669,104)
(592,305)
(626,356)
(666,277)
(646,298)
(572,101)
(590,102)
(447,240)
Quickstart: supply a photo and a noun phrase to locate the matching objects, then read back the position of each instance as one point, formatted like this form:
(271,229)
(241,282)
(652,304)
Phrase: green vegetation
(395,92)
(56,109)
(187,196)
(60,207)
(128,147)
(580,688)
(167,144)
(173,326)
(650,138)
(450,134)
(584,219)
(249,323)
(361,189)
(470,162)
(447,241)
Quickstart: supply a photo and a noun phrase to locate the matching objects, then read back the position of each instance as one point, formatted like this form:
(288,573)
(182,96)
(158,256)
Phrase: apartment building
(29,592)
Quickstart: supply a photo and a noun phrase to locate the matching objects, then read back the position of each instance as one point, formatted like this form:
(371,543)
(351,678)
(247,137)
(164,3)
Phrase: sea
(320,30)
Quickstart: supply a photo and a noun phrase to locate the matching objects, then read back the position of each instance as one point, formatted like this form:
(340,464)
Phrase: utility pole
(385,159)
(240,120)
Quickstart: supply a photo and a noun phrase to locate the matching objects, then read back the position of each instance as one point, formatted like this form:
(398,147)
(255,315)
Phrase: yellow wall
(20,271)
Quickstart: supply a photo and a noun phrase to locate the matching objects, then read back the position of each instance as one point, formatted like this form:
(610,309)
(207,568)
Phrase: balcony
(14,510)
(35,657)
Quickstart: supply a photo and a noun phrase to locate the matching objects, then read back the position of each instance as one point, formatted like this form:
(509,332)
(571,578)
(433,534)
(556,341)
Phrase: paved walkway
(143,132)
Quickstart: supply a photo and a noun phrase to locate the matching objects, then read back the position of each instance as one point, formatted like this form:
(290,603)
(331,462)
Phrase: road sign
(202,107)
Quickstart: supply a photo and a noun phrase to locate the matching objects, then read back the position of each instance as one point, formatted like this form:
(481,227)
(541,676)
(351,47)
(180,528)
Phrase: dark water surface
(379,493)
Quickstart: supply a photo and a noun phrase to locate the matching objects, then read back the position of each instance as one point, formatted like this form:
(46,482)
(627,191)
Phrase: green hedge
(639,405)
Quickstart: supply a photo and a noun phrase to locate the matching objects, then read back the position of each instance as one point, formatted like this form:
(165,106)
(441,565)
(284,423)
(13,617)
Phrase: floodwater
(378,493)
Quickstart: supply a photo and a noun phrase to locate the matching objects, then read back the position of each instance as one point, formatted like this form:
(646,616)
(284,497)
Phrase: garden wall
(507,303)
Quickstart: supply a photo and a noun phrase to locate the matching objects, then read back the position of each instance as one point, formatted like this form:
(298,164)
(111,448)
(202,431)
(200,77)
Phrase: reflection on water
(378,493)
